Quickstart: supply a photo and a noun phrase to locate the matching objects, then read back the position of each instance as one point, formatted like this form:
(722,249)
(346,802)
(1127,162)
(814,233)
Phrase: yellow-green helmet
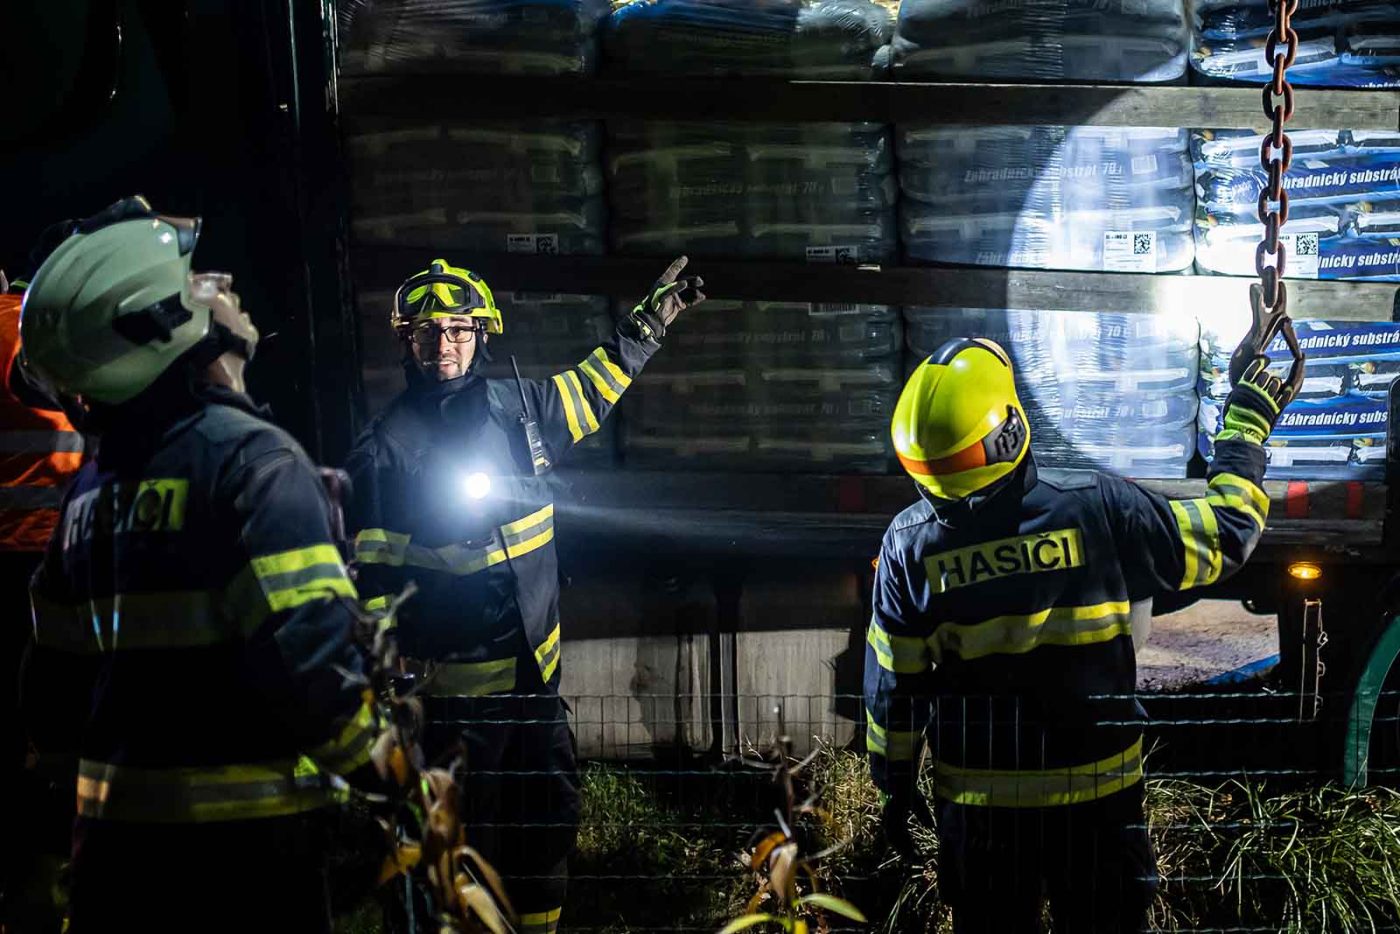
(959,426)
(442,291)
(110,309)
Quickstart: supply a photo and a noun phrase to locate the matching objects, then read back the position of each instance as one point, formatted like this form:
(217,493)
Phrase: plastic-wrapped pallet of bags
(839,40)
(1142,41)
(534,187)
(510,37)
(824,192)
(1343,196)
(1106,391)
(1337,428)
(1093,198)
(770,386)
(547,334)
(1342,43)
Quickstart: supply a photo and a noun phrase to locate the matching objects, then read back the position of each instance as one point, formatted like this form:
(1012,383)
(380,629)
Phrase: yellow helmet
(442,291)
(959,427)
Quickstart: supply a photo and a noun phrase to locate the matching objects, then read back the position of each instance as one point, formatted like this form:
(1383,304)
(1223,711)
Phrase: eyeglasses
(427,333)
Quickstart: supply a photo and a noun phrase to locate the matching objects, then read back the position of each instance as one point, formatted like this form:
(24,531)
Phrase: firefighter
(450,491)
(190,622)
(1002,643)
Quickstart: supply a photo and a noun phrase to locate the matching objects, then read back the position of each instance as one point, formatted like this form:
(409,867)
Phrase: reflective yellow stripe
(547,654)
(900,654)
(196,795)
(1200,540)
(570,413)
(1033,789)
(516,539)
(534,518)
(540,922)
(377,604)
(171,620)
(380,546)
(472,679)
(612,369)
(1015,634)
(894,745)
(590,420)
(601,384)
(350,749)
(292,578)
(1236,492)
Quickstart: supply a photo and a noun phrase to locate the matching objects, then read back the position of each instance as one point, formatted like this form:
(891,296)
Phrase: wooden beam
(757,99)
(383,268)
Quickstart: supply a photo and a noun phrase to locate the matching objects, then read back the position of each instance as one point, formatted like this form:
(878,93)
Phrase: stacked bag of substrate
(1337,427)
(1107,391)
(769,386)
(1343,203)
(1342,43)
(548,334)
(506,37)
(821,192)
(1092,198)
(521,186)
(1140,41)
(1048,197)
(533,187)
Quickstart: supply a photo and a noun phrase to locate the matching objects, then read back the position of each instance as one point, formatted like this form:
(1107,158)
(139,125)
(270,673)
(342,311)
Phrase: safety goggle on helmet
(444,291)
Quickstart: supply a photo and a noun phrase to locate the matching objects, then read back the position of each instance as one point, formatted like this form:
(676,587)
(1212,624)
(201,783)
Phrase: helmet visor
(433,294)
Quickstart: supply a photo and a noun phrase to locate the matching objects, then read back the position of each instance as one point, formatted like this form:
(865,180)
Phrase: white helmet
(111,308)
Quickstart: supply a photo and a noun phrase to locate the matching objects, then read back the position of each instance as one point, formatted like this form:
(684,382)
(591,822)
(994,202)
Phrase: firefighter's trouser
(521,790)
(1094,862)
(255,875)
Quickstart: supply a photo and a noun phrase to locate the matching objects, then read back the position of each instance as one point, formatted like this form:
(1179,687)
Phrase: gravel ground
(1206,639)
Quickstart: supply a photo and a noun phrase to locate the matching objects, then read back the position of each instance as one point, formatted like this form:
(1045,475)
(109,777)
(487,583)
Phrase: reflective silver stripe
(31,497)
(41,442)
(197,795)
(170,620)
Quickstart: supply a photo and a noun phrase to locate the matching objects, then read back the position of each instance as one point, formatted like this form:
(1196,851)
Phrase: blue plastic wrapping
(1140,41)
(1338,427)
(1108,391)
(823,192)
(1091,198)
(531,187)
(512,37)
(1342,43)
(1344,204)
(838,40)
(770,386)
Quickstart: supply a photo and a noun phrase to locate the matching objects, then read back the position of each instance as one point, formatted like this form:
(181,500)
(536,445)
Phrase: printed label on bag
(833,254)
(1130,251)
(1145,165)
(1302,262)
(536,244)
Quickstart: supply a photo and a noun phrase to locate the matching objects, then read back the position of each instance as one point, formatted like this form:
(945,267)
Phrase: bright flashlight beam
(476,485)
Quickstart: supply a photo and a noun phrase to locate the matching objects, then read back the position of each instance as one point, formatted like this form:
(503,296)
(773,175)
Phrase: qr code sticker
(1306,244)
(1142,244)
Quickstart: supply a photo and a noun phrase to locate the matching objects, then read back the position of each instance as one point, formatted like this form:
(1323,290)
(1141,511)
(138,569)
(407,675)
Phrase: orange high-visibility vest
(39,453)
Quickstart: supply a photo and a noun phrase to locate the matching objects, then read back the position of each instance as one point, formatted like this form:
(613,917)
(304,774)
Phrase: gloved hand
(669,296)
(1254,405)
(896,812)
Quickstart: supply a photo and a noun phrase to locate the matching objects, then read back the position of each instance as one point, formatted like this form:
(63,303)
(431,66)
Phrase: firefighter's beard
(445,362)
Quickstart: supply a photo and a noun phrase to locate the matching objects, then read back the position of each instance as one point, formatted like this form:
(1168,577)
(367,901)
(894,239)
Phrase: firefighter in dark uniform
(191,627)
(1002,640)
(450,492)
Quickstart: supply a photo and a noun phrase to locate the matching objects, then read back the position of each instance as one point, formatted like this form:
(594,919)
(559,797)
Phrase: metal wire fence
(1266,810)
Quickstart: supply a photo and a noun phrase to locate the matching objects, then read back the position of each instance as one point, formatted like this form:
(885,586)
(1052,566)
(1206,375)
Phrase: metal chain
(1275,156)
